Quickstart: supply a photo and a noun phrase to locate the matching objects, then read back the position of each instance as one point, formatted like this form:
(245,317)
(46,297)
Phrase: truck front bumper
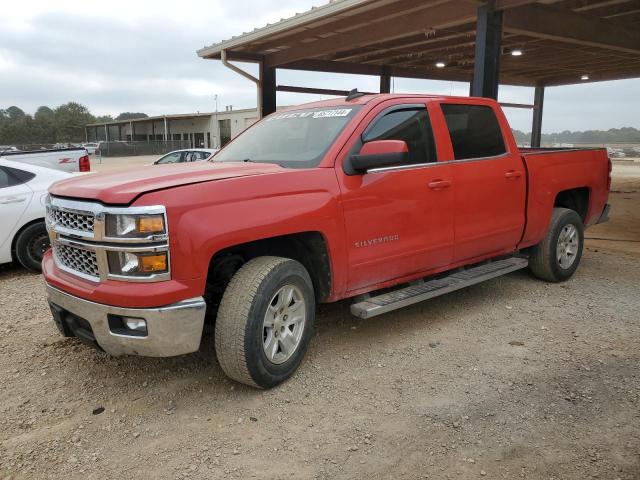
(169,330)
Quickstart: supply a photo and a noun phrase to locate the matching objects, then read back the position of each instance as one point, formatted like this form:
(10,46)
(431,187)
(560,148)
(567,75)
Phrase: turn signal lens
(154,224)
(134,226)
(153,263)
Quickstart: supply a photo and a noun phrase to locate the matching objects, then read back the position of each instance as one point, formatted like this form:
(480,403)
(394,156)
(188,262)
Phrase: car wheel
(557,257)
(31,244)
(265,321)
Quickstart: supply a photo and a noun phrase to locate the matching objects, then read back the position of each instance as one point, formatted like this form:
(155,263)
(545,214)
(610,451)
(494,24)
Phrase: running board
(387,302)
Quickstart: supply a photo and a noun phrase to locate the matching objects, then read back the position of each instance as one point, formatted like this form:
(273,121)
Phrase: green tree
(103,119)
(131,116)
(70,120)
(44,114)
(14,113)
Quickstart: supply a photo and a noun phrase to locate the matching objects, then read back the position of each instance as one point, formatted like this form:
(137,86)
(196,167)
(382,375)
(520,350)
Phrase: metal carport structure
(560,42)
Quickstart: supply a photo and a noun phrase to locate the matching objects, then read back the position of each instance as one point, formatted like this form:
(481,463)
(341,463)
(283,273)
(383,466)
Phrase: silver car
(186,155)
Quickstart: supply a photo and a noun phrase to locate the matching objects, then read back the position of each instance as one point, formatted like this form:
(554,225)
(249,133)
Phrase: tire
(251,347)
(31,244)
(546,260)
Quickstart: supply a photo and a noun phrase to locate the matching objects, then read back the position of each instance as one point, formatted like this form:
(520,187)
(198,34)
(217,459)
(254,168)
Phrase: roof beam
(418,48)
(316,91)
(425,73)
(354,19)
(561,25)
(438,16)
(429,73)
(403,46)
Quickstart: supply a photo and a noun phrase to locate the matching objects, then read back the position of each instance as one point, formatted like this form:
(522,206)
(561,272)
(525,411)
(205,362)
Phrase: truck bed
(554,170)
(65,159)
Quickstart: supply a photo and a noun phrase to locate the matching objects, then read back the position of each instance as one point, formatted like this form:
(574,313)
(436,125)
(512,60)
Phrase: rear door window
(411,125)
(10,177)
(4,178)
(474,130)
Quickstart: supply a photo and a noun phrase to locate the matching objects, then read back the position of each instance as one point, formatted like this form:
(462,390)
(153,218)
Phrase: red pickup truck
(386,199)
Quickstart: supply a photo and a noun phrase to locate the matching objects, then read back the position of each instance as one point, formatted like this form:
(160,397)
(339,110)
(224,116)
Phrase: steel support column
(536,127)
(385,81)
(267,92)
(486,70)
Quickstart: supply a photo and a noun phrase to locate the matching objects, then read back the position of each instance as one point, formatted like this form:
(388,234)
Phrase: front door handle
(513,174)
(7,200)
(439,184)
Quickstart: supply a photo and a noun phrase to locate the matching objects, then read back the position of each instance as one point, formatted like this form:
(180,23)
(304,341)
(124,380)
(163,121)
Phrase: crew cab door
(398,219)
(489,179)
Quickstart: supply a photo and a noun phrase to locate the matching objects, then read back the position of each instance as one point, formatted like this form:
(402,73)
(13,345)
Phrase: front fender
(209,217)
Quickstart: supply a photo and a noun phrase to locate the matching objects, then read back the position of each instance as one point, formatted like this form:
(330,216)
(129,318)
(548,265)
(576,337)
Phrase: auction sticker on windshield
(335,112)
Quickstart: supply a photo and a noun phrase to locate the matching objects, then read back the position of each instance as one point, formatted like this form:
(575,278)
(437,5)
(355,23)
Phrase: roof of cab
(369,98)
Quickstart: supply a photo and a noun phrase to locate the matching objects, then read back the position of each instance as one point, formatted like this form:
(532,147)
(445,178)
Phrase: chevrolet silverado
(385,199)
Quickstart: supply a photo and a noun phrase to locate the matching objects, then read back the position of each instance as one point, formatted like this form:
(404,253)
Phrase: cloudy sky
(140,56)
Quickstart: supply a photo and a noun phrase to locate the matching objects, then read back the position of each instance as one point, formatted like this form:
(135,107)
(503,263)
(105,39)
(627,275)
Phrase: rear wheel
(31,244)
(265,321)
(557,257)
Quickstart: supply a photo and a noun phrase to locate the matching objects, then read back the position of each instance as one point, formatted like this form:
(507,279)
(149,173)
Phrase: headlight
(134,264)
(134,226)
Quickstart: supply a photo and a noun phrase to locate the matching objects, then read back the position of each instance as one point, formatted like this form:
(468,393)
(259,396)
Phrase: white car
(8,149)
(186,155)
(91,147)
(23,190)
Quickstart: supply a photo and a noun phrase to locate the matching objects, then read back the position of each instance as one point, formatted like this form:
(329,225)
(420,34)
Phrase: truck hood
(123,186)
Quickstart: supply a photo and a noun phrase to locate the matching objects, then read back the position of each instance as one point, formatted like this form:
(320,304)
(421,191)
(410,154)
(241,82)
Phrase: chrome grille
(72,220)
(77,259)
(80,244)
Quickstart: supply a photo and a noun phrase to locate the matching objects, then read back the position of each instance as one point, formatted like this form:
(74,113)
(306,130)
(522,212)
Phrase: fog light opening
(135,324)
(130,326)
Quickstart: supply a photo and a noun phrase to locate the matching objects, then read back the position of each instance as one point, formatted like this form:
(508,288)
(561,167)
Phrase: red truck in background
(387,199)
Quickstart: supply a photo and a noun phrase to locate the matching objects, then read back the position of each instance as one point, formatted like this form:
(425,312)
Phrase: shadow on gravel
(14,270)
(336,330)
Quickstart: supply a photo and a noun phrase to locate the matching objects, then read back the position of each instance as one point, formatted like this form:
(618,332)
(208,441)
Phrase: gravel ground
(106,164)
(513,378)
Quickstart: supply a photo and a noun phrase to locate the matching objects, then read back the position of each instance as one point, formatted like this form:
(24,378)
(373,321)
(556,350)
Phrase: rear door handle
(439,184)
(7,200)
(513,174)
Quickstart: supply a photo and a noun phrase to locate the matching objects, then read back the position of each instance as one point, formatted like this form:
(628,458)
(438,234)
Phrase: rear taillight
(609,176)
(85,164)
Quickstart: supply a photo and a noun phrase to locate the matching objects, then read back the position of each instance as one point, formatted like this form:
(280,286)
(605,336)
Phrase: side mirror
(379,154)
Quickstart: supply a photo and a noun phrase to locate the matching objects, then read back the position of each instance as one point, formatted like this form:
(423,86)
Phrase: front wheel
(265,321)
(557,257)
(31,244)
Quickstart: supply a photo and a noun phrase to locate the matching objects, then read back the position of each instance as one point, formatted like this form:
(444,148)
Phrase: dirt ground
(118,163)
(513,378)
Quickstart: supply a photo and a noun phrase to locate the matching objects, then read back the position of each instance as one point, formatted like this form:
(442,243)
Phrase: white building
(206,130)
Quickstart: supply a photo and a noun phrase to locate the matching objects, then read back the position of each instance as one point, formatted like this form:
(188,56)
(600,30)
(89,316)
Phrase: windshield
(295,139)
